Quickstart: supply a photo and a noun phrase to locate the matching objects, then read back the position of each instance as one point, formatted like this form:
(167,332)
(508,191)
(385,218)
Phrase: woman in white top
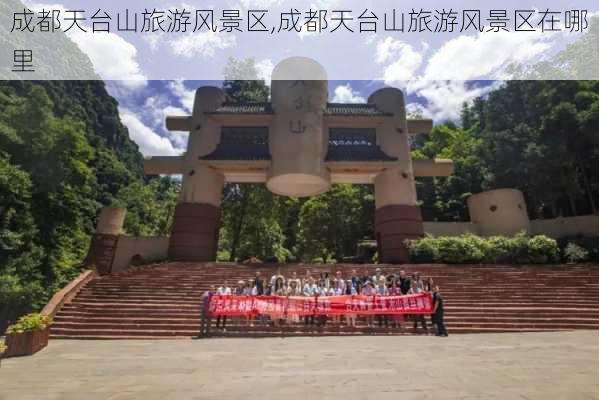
(275,277)
(322,288)
(336,290)
(293,290)
(224,290)
(295,279)
(310,288)
(368,290)
(221,320)
(279,288)
(350,290)
(415,289)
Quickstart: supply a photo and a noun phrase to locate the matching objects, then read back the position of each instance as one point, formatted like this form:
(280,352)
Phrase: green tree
(150,206)
(330,225)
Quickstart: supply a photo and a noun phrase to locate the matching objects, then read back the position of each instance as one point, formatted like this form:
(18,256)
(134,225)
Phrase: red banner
(278,306)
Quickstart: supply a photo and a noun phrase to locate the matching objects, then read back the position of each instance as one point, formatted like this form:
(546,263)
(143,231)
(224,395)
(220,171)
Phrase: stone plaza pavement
(560,365)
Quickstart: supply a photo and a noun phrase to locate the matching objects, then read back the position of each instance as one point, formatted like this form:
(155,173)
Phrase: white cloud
(444,99)
(401,58)
(203,44)
(417,109)
(154,39)
(346,94)
(113,57)
(442,84)
(150,143)
(186,96)
(264,70)
(486,54)
(159,107)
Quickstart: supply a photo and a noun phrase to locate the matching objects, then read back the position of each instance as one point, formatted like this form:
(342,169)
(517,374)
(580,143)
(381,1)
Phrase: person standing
(418,317)
(368,290)
(296,279)
(439,313)
(356,281)
(275,277)
(351,290)
(395,290)
(404,283)
(221,320)
(310,290)
(240,289)
(381,290)
(378,279)
(340,280)
(258,284)
(419,282)
(337,290)
(206,320)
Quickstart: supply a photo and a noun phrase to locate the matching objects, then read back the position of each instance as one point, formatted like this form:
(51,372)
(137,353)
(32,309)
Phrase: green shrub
(573,253)
(425,250)
(30,322)
(465,249)
(501,249)
(223,256)
(542,250)
(472,249)
(588,243)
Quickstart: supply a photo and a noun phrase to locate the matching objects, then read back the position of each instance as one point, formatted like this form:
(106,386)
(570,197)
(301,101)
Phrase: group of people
(337,285)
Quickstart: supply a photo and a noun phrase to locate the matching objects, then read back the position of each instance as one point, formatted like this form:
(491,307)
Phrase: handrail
(67,293)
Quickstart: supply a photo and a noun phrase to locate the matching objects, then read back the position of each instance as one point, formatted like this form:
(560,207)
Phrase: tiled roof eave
(332,109)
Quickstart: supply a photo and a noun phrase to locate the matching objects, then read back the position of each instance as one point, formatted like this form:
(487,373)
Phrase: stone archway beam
(167,165)
(179,124)
(420,126)
(433,168)
(354,172)
(184,123)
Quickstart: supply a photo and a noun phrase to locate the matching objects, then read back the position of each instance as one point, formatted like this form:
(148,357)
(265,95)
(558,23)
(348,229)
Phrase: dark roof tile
(337,109)
(251,144)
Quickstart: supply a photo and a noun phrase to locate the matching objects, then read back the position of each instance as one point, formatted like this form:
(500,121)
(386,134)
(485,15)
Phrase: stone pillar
(298,138)
(110,221)
(398,215)
(499,212)
(105,240)
(194,235)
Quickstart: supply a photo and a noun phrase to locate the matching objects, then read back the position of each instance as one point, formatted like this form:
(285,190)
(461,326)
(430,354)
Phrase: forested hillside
(541,137)
(63,154)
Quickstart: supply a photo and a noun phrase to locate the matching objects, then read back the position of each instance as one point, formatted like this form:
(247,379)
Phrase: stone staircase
(164,301)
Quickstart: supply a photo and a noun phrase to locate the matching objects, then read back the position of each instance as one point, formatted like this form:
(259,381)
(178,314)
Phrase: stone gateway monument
(298,145)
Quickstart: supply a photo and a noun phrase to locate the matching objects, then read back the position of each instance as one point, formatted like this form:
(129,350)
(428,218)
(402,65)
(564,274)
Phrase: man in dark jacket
(405,284)
(259,284)
(438,312)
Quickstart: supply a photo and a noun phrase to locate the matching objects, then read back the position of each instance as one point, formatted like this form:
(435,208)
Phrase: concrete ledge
(150,248)
(67,293)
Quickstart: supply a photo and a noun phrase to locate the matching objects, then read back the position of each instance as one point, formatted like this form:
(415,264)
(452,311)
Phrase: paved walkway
(495,366)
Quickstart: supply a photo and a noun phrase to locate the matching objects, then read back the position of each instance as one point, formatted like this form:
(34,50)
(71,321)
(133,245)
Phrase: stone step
(64,332)
(164,301)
